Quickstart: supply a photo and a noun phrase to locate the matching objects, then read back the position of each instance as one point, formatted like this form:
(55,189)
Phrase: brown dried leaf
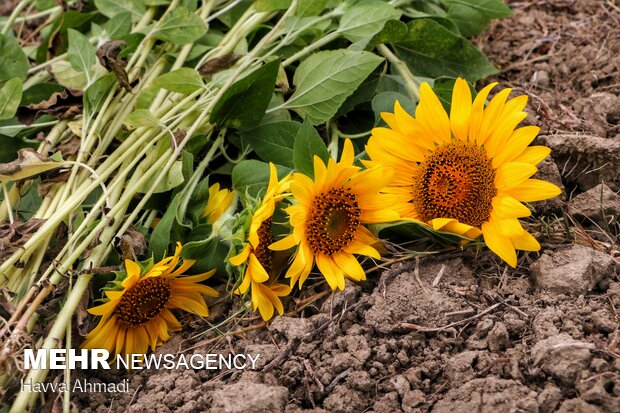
(131,245)
(62,105)
(217,64)
(29,163)
(108,57)
(70,146)
(14,235)
(47,183)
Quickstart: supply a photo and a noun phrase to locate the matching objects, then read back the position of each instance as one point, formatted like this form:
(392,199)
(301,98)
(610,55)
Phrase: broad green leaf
(443,88)
(141,118)
(172,179)
(273,141)
(9,147)
(10,96)
(147,96)
(384,102)
(473,16)
(252,176)
(324,80)
(243,104)
(271,5)
(119,25)
(158,244)
(181,27)
(308,143)
(431,50)
(366,19)
(184,80)
(39,92)
(310,8)
(490,9)
(392,31)
(156,2)
(13,61)
(67,76)
(96,93)
(81,54)
(111,8)
(209,253)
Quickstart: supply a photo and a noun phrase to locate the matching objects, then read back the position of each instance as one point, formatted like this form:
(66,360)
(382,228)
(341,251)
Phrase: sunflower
(138,315)
(258,258)
(328,219)
(467,173)
(219,201)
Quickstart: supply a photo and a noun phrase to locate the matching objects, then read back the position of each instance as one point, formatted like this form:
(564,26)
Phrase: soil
(460,332)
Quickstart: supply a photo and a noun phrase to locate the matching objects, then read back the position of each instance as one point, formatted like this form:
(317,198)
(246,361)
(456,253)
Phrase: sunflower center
(334,221)
(455,181)
(262,251)
(144,301)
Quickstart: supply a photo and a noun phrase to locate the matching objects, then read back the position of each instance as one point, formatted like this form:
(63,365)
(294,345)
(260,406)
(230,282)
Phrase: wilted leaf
(52,178)
(217,64)
(62,105)
(108,57)
(29,163)
(131,244)
(13,235)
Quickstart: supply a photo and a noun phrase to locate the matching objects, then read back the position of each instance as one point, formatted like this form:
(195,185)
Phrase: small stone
(599,204)
(413,399)
(562,357)
(574,270)
(245,396)
(549,398)
(498,339)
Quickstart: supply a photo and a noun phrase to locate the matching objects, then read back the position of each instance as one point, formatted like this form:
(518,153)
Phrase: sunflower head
(137,313)
(466,172)
(329,215)
(260,272)
(219,201)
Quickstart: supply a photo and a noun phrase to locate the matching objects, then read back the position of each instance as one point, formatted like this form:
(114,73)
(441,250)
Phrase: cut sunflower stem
(411,82)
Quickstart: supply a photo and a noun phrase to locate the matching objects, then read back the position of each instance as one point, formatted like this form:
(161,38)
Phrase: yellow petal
(460,110)
(330,271)
(257,271)
(517,142)
(533,155)
(285,243)
(513,174)
(491,116)
(240,258)
(499,244)
(431,114)
(477,111)
(507,207)
(534,190)
(526,242)
(347,153)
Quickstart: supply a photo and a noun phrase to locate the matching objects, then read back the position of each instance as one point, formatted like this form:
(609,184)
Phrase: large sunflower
(329,215)
(467,173)
(138,315)
(258,258)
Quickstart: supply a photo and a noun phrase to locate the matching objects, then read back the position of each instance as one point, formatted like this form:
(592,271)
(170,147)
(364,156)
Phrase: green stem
(311,48)
(411,82)
(13,17)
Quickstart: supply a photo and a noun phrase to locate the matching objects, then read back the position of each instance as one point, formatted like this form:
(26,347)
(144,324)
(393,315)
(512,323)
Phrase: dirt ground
(459,332)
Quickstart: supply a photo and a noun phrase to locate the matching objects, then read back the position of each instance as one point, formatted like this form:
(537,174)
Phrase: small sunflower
(468,172)
(219,201)
(139,314)
(256,255)
(329,215)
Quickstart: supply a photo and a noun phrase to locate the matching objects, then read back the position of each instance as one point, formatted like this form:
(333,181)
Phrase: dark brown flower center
(334,221)
(262,251)
(456,180)
(144,301)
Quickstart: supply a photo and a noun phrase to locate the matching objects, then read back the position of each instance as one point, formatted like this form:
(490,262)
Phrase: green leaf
(273,141)
(208,252)
(310,8)
(308,143)
(431,50)
(400,231)
(10,96)
(81,54)
(243,104)
(473,16)
(252,176)
(158,244)
(184,80)
(181,27)
(9,147)
(96,93)
(119,25)
(443,88)
(172,179)
(39,92)
(384,102)
(110,8)
(366,19)
(141,118)
(13,61)
(490,9)
(271,5)
(393,31)
(325,79)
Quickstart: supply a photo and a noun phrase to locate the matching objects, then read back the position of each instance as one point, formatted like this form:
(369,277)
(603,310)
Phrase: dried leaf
(70,146)
(14,235)
(46,184)
(29,163)
(62,105)
(108,57)
(131,245)
(217,64)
